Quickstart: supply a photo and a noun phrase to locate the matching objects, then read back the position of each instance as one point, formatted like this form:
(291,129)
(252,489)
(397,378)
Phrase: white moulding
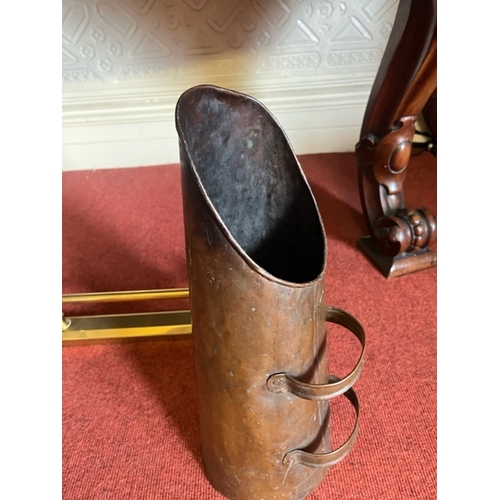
(132,124)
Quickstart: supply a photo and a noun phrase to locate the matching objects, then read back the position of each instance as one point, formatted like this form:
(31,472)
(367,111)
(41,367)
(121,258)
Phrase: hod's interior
(251,177)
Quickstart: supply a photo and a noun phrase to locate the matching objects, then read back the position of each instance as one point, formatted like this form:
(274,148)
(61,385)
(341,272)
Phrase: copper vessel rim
(225,231)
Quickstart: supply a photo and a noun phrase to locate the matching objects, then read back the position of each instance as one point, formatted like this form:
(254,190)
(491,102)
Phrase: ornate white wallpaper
(125,63)
(110,41)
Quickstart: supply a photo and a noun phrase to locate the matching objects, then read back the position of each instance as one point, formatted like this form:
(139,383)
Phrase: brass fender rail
(81,330)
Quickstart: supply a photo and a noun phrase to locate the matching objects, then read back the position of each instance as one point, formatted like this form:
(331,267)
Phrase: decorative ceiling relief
(110,41)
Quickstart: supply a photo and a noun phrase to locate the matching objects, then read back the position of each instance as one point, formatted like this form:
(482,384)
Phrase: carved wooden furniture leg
(399,238)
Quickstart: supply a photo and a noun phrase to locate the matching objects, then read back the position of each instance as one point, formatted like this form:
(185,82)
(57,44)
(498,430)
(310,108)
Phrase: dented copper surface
(256,253)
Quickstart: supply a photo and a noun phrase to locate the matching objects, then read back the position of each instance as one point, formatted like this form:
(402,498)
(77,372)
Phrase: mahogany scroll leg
(399,238)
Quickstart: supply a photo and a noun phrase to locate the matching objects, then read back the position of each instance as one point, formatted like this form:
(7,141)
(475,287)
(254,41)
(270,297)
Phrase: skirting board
(132,124)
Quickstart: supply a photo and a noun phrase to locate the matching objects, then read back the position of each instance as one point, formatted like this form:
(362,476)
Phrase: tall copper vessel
(256,253)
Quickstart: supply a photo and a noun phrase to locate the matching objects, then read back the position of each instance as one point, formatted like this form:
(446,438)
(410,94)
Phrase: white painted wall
(125,63)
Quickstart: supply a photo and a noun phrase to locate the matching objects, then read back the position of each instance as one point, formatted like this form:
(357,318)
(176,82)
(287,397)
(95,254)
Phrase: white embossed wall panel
(121,58)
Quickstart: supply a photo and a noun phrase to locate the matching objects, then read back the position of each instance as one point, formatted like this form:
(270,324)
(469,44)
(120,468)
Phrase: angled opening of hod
(253,180)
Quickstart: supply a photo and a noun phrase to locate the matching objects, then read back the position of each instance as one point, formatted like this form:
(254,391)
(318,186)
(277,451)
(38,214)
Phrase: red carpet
(129,411)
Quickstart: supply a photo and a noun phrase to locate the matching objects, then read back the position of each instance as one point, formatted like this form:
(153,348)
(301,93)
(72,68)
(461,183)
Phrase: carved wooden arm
(399,238)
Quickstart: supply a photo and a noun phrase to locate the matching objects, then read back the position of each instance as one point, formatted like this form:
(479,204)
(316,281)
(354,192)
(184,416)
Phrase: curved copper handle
(332,457)
(282,382)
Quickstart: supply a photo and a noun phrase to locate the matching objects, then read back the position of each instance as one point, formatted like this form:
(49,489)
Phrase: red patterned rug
(130,426)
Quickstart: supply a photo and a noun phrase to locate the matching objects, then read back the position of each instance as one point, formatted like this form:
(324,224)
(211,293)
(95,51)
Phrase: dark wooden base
(406,79)
(392,267)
